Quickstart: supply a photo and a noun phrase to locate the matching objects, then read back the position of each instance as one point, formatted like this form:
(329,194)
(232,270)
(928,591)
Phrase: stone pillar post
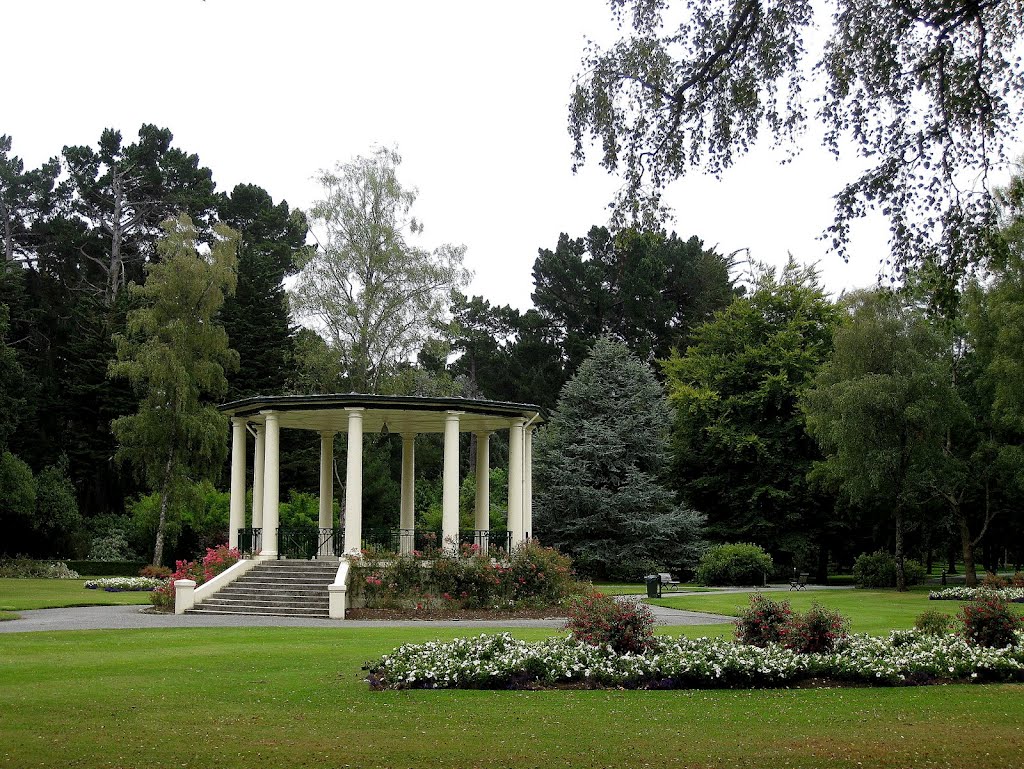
(354,483)
(515,481)
(483,490)
(528,482)
(271,485)
(258,463)
(236,505)
(450,487)
(407,519)
(326,549)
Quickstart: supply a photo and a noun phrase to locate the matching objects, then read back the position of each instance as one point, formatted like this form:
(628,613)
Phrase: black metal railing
(250,541)
(486,540)
(307,542)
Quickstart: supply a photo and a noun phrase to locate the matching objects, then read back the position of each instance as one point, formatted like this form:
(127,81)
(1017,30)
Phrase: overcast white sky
(474,94)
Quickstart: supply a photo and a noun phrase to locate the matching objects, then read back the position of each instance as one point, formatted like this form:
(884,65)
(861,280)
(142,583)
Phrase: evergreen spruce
(599,466)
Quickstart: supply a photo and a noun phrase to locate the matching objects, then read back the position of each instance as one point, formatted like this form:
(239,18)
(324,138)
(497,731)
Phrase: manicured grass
(870,611)
(618,588)
(286,697)
(21,594)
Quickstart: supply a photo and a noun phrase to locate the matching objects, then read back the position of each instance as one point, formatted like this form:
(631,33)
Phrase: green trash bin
(653,585)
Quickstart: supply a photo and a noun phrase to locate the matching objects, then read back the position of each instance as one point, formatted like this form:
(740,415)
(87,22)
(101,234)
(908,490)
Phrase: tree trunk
(8,236)
(165,498)
(901,574)
(967,545)
(114,271)
(822,575)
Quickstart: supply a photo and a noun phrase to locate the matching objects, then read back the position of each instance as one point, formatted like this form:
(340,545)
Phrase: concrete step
(255,611)
(276,589)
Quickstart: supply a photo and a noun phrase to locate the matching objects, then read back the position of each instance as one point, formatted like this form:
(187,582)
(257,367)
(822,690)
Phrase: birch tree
(174,354)
(376,295)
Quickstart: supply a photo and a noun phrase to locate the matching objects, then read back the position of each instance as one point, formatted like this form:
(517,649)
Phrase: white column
(515,481)
(354,483)
(407,520)
(528,482)
(450,488)
(271,485)
(326,492)
(483,489)
(236,508)
(257,477)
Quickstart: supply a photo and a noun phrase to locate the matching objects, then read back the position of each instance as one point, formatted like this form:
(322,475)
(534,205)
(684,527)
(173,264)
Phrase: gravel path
(134,617)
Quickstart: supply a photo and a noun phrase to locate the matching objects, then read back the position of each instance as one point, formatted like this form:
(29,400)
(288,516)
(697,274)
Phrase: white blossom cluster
(974,593)
(502,662)
(115,584)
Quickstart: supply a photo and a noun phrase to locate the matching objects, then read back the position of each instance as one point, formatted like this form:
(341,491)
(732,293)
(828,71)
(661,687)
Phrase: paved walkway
(135,617)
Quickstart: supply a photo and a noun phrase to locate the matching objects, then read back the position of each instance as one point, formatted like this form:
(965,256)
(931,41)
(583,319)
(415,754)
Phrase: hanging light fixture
(384,430)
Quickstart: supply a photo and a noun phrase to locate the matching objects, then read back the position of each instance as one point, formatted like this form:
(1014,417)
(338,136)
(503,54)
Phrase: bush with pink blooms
(532,577)
(817,631)
(216,560)
(600,620)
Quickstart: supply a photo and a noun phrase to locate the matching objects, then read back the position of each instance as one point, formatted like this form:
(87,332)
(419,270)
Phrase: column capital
(239,421)
(483,433)
(328,433)
(453,414)
(518,422)
(354,409)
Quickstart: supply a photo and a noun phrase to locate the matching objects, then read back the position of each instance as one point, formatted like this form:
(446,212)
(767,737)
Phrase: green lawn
(618,588)
(21,594)
(870,611)
(289,697)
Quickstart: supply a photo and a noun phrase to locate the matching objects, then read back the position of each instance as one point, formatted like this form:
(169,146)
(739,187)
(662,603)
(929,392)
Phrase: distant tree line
(816,427)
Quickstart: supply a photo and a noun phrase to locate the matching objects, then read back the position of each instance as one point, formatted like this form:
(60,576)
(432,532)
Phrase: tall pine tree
(600,468)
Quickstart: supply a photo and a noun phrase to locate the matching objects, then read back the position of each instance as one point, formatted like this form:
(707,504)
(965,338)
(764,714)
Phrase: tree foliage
(882,408)
(927,93)
(175,354)
(742,453)
(647,289)
(125,191)
(377,296)
(256,317)
(25,198)
(600,467)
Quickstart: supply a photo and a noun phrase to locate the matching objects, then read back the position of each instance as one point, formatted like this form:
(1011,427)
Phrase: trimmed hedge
(107,568)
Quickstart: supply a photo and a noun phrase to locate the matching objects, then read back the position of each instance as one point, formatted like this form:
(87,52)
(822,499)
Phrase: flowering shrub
(764,622)
(502,662)
(993,581)
(158,572)
(124,584)
(976,593)
(933,623)
(990,622)
(599,620)
(216,560)
(533,576)
(817,631)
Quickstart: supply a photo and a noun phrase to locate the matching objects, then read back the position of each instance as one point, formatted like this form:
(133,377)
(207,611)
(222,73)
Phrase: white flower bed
(974,593)
(502,662)
(118,584)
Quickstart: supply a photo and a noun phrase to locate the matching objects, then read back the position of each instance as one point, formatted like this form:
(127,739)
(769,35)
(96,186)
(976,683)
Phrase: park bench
(798,582)
(667,583)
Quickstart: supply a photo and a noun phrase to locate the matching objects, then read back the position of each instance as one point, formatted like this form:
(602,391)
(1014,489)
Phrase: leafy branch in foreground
(928,93)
